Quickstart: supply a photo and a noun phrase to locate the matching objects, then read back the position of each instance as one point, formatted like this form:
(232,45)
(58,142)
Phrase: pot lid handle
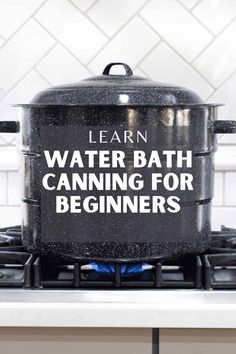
(128,70)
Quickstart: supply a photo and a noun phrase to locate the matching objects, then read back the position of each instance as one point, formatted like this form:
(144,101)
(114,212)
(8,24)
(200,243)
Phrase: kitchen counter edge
(117,308)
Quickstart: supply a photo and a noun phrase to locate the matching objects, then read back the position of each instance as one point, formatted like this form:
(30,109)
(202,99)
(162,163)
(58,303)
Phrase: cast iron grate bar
(184,272)
(20,269)
(220,271)
(15,269)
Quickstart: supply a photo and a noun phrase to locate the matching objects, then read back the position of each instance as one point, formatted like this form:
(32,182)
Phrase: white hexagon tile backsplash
(186,42)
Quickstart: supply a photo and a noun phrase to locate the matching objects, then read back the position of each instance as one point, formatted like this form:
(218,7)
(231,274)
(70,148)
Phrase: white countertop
(137,308)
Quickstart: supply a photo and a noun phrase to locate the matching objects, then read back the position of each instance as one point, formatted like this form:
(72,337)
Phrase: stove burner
(110,268)
(216,269)
(182,273)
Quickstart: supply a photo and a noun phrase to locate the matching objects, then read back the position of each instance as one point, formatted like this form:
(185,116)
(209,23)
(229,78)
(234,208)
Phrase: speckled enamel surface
(196,217)
(176,115)
(110,89)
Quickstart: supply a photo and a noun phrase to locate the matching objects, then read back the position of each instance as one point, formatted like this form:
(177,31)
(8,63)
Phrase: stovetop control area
(215,269)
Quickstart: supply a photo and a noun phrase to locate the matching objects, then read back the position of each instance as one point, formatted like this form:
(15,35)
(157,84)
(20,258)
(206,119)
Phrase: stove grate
(216,269)
(184,272)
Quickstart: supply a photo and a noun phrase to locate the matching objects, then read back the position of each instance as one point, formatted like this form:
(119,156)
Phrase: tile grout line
(12,35)
(23,24)
(213,40)
(196,18)
(41,75)
(85,11)
(88,18)
(137,65)
(180,55)
(122,26)
(91,6)
(224,189)
(3,96)
(222,83)
(192,62)
(59,42)
(147,54)
(7,178)
(194,6)
(117,32)
(30,69)
(145,74)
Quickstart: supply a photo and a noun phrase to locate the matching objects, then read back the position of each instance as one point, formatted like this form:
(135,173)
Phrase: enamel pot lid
(123,90)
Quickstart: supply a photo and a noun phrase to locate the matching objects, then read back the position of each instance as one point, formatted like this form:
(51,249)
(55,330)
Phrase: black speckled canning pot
(156,117)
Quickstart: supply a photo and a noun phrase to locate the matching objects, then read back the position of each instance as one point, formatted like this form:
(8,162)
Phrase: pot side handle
(224,126)
(9,126)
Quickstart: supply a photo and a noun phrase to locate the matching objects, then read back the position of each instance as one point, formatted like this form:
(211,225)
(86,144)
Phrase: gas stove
(215,269)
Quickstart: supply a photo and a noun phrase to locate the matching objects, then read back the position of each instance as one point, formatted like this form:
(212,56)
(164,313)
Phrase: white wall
(186,42)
